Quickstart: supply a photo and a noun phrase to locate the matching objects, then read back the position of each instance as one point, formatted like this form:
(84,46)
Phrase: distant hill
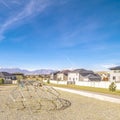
(27,72)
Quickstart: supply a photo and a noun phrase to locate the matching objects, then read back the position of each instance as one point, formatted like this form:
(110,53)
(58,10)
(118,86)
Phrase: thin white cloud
(86,31)
(4,3)
(32,8)
(16,2)
(85,34)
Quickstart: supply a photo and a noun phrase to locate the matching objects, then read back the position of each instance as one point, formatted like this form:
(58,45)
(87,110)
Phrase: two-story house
(115,74)
(63,75)
(83,75)
(53,76)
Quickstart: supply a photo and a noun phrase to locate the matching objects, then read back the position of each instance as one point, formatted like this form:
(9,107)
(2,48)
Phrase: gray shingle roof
(82,71)
(88,74)
(3,74)
(94,77)
(115,68)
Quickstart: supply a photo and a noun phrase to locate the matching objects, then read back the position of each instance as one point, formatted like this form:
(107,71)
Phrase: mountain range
(27,72)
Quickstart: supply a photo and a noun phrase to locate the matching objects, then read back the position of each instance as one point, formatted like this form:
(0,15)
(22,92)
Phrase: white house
(115,74)
(73,76)
(7,77)
(83,75)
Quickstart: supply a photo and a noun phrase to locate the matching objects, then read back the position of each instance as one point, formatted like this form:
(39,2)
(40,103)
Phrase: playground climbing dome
(33,97)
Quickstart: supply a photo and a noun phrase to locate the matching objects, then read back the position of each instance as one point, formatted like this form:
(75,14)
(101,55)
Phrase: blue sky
(60,34)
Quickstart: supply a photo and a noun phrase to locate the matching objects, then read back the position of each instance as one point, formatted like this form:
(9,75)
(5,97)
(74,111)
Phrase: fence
(58,82)
(7,81)
(100,84)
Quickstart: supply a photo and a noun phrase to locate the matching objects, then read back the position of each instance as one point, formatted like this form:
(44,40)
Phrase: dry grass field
(82,108)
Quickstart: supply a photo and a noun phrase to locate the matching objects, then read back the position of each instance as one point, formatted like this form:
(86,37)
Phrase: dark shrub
(1,81)
(112,87)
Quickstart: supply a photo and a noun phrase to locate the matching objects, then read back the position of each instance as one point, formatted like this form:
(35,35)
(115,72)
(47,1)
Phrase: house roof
(94,77)
(82,71)
(88,74)
(65,72)
(3,74)
(115,68)
(54,73)
(84,74)
(18,74)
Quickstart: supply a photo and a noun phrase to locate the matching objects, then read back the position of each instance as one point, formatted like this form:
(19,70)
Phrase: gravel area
(82,108)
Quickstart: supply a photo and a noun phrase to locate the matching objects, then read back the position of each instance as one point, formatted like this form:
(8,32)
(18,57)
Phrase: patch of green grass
(86,88)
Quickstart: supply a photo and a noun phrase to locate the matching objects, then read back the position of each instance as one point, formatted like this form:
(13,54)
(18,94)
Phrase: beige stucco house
(63,75)
(60,75)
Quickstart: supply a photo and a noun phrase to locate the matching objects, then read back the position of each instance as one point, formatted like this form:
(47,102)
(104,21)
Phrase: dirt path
(103,97)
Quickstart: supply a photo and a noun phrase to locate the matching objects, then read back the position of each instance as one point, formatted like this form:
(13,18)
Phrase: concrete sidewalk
(91,94)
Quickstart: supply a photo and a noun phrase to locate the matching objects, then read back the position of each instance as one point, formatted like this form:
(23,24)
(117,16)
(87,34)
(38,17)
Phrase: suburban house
(83,75)
(104,75)
(63,75)
(53,76)
(115,74)
(19,76)
(8,78)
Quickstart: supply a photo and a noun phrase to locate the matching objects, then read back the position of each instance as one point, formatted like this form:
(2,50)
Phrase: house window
(116,71)
(114,78)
